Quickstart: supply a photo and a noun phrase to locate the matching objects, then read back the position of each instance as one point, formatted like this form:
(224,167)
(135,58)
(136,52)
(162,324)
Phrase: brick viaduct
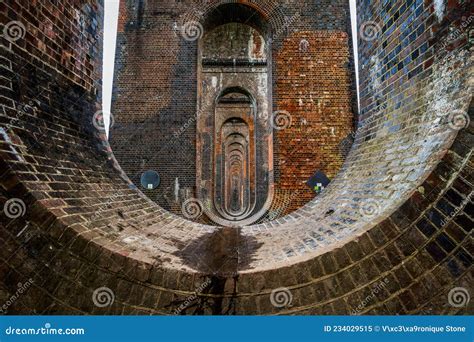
(389,235)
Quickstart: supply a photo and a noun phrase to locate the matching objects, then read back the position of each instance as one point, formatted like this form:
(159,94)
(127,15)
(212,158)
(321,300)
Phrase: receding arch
(235,97)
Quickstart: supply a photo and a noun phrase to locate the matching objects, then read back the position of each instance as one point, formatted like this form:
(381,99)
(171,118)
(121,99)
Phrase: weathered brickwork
(314,86)
(156,93)
(390,235)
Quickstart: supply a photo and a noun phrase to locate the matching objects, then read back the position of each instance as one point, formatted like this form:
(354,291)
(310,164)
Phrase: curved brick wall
(391,235)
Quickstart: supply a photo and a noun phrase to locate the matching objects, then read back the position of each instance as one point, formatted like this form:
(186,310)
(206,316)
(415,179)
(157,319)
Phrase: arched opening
(235,190)
(234,135)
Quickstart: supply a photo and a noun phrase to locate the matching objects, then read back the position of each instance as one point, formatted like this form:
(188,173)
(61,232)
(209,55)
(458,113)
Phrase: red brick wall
(314,86)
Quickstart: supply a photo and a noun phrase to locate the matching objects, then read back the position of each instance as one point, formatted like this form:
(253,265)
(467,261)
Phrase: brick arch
(85,227)
(269,11)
